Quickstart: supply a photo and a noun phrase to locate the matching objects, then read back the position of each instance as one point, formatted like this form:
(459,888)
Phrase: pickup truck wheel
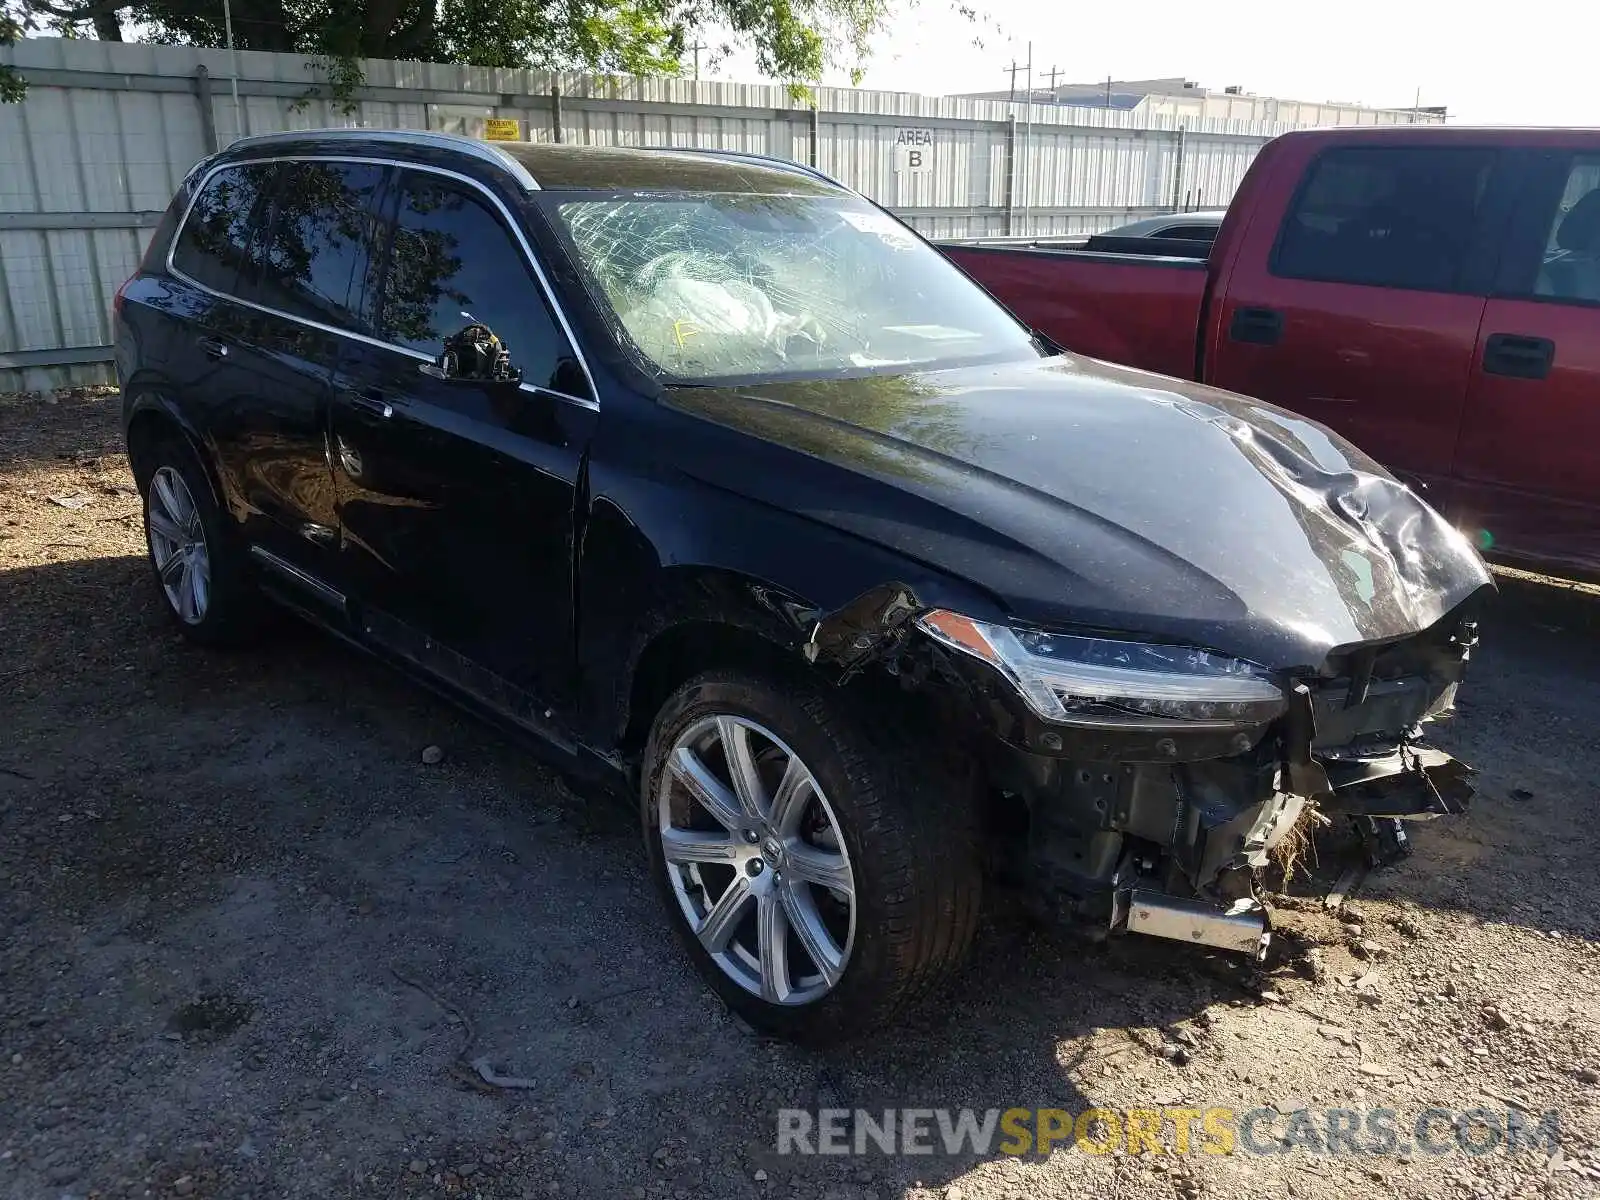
(198,569)
(821,877)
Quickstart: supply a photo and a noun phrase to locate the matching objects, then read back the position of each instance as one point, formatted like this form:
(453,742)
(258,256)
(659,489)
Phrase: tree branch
(87,12)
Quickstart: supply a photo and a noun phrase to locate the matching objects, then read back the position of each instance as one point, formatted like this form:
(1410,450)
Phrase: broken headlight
(1096,680)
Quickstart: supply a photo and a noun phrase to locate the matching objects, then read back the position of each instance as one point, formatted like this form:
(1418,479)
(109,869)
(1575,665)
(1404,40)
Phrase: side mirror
(474,355)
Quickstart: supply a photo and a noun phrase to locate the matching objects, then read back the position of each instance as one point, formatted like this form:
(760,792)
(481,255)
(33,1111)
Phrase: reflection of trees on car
(910,410)
(422,263)
(308,260)
(317,239)
(217,232)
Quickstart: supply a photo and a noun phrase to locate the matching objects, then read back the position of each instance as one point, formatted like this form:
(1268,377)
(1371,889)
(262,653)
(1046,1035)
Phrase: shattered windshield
(718,286)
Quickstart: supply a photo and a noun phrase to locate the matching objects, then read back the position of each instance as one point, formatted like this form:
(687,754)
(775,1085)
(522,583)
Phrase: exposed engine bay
(1163,826)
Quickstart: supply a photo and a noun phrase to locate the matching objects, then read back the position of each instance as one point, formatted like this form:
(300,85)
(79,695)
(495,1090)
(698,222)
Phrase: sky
(1529,63)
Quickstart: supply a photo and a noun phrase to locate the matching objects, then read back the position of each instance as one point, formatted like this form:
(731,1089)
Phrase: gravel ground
(246,931)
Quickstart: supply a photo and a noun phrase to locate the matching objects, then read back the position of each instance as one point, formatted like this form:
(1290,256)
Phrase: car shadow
(262,822)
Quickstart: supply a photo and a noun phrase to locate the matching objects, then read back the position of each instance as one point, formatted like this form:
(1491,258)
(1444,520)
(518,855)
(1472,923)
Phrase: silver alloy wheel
(757,860)
(178,546)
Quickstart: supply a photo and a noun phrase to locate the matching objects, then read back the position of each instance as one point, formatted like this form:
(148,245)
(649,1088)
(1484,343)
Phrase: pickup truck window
(1191,233)
(1386,217)
(726,285)
(1570,269)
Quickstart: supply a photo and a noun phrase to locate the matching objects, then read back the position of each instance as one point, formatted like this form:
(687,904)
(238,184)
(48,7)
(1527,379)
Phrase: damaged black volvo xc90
(713,475)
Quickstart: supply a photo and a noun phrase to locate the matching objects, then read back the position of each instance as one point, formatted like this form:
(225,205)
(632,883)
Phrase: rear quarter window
(215,236)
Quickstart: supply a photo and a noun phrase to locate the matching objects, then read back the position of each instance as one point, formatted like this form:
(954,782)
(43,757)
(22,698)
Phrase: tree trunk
(108,27)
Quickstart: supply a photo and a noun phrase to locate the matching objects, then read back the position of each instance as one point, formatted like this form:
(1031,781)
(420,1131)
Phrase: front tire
(820,868)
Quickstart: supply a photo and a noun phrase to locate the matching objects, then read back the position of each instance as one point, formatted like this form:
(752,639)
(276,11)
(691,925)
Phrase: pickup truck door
(1528,463)
(456,495)
(1361,308)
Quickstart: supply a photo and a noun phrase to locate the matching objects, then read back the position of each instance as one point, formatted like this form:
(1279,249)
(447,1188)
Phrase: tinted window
(312,261)
(1570,268)
(453,263)
(1191,233)
(1388,217)
(211,245)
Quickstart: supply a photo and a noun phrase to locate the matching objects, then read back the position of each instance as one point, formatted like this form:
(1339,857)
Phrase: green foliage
(12,85)
(793,40)
(342,76)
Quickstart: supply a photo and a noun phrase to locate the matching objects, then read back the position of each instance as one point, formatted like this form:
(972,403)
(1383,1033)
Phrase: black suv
(724,483)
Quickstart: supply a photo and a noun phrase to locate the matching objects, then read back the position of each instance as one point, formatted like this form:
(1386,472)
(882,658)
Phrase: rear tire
(199,566)
(888,827)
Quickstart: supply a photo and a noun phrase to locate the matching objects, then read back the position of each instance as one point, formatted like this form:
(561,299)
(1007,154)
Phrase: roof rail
(765,160)
(411,137)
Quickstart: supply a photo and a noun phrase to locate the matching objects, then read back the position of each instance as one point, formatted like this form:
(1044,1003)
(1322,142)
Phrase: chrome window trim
(592,402)
(412,137)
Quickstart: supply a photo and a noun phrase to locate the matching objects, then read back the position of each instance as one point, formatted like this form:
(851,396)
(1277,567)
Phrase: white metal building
(1186,101)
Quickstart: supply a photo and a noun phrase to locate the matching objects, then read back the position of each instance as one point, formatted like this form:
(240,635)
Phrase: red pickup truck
(1432,293)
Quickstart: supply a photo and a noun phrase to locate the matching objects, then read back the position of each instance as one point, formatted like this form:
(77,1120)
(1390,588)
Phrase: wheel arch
(150,417)
(682,650)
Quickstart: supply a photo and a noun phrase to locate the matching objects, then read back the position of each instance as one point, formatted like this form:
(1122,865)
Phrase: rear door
(203,322)
(301,282)
(1362,309)
(1528,466)
(456,496)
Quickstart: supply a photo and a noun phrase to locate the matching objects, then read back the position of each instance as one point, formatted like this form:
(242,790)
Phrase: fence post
(816,136)
(1011,174)
(555,110)
(1177,170)
(208,116)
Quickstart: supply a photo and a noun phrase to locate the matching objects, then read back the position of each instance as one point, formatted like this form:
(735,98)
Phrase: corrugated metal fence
(92,156)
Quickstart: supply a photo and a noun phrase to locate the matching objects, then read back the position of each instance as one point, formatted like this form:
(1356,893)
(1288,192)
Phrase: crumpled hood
(1084,494)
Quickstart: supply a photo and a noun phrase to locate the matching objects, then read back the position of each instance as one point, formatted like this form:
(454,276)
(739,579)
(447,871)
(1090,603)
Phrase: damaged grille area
(1197,829)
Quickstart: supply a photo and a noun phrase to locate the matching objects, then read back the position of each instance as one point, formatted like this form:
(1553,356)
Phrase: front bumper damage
(1166,836)
(1163,828)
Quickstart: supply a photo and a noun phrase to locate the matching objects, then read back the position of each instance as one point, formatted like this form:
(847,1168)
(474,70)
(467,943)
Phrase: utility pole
(1013,68)
(1108,91)
(1054,73)
(233,53)
(1027,144)
(697,47)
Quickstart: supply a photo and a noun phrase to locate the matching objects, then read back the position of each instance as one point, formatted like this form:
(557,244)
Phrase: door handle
(371,401)
(1518,355)
(214,347)
(1256,326)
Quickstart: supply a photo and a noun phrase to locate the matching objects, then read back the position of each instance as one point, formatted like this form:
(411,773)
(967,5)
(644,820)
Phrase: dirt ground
(216,869)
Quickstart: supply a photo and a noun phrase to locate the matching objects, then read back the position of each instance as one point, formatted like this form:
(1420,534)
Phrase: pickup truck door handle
(1518,355)
(214,347)
(371,400)
(1257,326)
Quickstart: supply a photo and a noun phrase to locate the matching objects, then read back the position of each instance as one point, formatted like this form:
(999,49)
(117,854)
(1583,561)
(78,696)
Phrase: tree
(794,40)
(12,86)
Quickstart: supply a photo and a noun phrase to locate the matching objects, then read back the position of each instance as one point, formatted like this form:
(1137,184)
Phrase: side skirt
(457,678)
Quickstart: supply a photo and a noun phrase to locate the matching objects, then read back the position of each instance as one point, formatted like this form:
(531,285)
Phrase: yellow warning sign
(502,129)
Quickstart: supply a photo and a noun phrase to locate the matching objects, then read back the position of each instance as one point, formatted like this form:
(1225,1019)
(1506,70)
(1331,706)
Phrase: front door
(457,473)
(1528,464)
(1362,311)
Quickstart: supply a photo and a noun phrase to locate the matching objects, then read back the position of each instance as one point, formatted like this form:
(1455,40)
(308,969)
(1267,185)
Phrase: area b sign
(913,151)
